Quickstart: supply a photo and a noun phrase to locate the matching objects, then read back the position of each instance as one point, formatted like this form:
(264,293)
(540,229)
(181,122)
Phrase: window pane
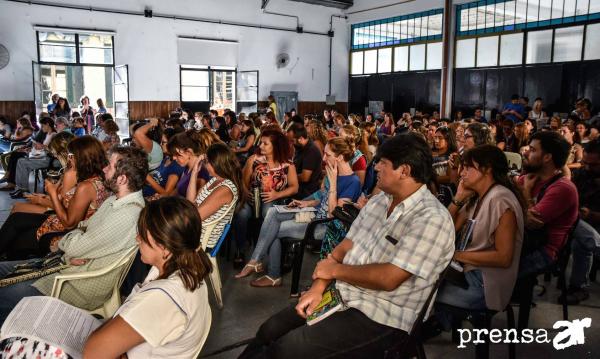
(385,60)
(434,56)
(592,42)
(411,28)
(57,47)
(194,93)
(464,20)
(465,53)
(473,18)
(533,7)
(418,27)
(594,6)
(557,8)
(417,57)
(582,7)
(401,58)
(568,44)
(509,13)
(511,49)
(545,10)
(487,51)
(95,49)
(521,11)
(435,25)
(499,14)
(539,46)
(569,9)
(194,78)
(481,17)
(370,62)
(404,29)
(357,63)
(489,16)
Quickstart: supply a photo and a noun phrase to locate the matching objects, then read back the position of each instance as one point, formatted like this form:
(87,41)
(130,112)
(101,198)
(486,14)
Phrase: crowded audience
(430,193)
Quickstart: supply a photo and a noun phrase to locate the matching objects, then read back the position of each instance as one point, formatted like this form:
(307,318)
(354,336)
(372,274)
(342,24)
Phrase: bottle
(257,202)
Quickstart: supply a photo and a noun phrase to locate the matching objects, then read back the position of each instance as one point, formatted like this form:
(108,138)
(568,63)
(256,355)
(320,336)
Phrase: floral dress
(54,224)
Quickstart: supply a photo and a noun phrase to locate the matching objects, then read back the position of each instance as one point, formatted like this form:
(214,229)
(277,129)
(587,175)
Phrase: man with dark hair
(478,116)
(513,110)
(96,242)
(384,269)
(308,161)
(552,201)
(586,237)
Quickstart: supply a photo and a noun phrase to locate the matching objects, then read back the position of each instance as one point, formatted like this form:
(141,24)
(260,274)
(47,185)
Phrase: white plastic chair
(215,277)
(109,307)
(515,161)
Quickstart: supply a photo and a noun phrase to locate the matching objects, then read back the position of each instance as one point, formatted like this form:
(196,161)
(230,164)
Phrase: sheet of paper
(52,321)
(287,209)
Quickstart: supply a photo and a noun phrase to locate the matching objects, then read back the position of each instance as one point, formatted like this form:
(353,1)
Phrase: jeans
(345,334)
(240,222)
(470,298)
(585,242)
(12,294)
(275,226)
(26,166)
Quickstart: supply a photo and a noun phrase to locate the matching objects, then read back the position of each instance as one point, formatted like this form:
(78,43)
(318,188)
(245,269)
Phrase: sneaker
(575,296)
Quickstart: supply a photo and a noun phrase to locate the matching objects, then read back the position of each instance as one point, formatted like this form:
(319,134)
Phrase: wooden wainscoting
(139,110)
(13,109)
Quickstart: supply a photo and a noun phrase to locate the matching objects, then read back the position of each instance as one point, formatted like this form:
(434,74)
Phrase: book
(46,327)
(288,209)
(331,303)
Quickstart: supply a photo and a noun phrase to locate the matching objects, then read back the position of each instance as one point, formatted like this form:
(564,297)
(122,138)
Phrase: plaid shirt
(425,234)
(102,239)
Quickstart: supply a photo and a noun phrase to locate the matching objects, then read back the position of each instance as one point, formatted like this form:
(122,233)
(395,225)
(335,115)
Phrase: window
(357,63)
(511,49)
(592,42)
(539,47)
(487,51)
(401,58)
(370,64)
(465,53)
(476,17)
(568,44)
(72,48)
(426,25)
(434,56)
(195,85)
(417,57)
(384,61)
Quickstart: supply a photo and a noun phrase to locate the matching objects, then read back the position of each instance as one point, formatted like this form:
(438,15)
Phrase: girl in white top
(217,199)
(167,316)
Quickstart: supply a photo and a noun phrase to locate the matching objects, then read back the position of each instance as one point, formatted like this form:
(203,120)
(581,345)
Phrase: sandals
(266,281)
(249,269)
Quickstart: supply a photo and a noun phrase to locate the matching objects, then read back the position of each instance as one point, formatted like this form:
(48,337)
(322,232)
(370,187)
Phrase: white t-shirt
(173,321)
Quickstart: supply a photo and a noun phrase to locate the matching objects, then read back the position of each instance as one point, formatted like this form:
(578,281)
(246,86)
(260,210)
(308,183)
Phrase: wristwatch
(457,203)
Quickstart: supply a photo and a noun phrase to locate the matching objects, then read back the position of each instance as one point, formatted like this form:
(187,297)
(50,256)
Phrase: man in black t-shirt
(308,161)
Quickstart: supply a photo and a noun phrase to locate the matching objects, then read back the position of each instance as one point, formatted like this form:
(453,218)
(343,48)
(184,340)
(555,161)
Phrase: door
(121,99)
(286,101)
(247,92)
(37,89)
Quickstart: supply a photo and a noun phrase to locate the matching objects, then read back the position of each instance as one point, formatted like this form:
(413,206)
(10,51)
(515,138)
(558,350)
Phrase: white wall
(149,46)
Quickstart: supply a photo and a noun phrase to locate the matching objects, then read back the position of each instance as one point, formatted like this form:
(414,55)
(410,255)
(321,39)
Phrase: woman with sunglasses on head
(21,232)
(168,315)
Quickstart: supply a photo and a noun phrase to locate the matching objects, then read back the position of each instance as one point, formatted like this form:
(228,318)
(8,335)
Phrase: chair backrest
(419,321)
(217,246)
(209,228)
(515,161)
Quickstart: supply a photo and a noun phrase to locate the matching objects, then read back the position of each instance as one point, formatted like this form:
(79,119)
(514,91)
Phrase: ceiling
(340,4)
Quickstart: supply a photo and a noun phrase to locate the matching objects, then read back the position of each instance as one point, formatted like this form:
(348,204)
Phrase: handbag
(34,269)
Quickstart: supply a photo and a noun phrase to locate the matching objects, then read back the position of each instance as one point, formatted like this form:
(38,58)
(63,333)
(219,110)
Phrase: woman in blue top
(163,181)
(340,185)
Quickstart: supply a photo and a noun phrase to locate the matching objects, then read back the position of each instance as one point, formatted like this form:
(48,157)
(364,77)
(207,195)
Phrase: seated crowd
(499,198)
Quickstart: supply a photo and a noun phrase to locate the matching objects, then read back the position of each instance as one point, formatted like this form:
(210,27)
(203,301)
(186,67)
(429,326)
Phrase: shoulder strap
(546,186)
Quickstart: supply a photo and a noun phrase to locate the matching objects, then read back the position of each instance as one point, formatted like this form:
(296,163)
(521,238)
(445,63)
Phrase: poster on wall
(375,107)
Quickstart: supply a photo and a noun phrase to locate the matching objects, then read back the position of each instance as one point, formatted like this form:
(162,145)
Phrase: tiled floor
(246,308)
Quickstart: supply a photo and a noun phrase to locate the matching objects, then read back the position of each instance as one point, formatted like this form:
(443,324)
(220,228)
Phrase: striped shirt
(424,232)
(223,215)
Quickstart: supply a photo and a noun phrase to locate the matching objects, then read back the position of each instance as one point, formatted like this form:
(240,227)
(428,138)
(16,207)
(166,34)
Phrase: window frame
(77,48)
(210,70)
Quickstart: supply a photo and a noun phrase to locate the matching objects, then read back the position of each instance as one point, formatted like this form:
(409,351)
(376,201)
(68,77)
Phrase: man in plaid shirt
(384,269)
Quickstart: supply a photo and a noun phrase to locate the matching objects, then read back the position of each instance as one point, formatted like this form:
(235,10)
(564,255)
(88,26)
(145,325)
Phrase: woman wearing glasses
(21,232)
